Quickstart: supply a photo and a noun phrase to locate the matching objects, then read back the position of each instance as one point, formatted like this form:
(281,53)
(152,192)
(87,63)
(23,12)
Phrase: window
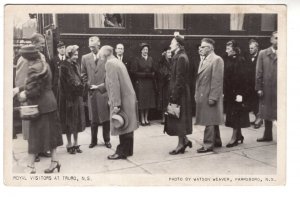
(168,21)
(237,22)
(268,22)
(106,20)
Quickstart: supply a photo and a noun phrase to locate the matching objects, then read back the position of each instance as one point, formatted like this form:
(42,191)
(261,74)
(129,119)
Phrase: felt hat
(144,44)
(120,120)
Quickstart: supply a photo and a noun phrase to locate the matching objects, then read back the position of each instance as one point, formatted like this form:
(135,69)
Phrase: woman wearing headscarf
(44,129)
(71,105)
(145,86)
(236,92)
(180,95)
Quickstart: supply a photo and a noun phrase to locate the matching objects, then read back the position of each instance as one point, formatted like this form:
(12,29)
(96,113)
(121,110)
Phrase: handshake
(101,87)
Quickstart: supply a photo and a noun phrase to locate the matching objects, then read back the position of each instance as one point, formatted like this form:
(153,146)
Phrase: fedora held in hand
(173,110)
(120,120)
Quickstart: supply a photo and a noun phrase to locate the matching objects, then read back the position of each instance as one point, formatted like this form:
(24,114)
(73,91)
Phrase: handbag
(173,110)
(29,112)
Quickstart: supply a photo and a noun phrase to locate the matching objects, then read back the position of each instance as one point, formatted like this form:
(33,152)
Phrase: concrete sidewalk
(151,155)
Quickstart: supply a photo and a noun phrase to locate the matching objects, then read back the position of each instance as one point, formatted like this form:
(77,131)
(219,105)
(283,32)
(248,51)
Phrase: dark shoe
(92,145)
(69,149)
(116,156)
(72,150)
(188,144)
(264,140)
(235,143)
(77,149)
(37,158)
(107,144)
(45,154)
(143,124)
(49,171)
(177,151)
(15,136)
(204,150)
(241,139)
(258,123)
(147,123)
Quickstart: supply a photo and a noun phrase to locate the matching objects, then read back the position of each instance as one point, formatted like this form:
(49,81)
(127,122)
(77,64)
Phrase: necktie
(200,64)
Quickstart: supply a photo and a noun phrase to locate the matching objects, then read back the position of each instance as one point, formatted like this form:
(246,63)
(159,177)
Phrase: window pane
(106,21)
(168,21)
(268,22)
(237,22)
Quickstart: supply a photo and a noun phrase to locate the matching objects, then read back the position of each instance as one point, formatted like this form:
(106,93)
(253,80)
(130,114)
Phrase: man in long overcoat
(266,86)
(251,59)
(93,74)
(122,98)
(209,95)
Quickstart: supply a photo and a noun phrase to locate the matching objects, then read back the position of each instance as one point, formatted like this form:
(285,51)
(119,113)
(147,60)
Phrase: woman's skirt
(146,94)
(44,133)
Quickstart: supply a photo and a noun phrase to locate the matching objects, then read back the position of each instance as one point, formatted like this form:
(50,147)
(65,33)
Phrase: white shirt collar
(95,56)
(120,57)
(208,56)
(273,50)
(61,57)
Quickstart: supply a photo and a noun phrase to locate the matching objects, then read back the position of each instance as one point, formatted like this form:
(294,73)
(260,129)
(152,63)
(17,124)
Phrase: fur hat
(70,50)
(28,49)
(29,52)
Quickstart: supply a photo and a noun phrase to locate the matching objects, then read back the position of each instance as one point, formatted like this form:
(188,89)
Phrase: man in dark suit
(93,74)
(251,59)
(55,67)
(120,55)
(266,86)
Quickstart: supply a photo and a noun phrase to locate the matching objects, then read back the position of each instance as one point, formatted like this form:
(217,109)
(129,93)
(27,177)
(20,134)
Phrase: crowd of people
(111,90)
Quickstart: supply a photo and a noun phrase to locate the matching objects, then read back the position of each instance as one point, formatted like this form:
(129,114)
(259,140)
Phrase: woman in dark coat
(71,105)
(44,130)
(180,94)
(145,85)
(236,92)
(163,73)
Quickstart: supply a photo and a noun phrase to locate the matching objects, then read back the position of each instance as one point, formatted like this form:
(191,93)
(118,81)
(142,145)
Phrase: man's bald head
(105,51)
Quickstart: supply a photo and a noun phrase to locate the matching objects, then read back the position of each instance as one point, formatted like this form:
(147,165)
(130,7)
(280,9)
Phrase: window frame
(161,29)
(120,28)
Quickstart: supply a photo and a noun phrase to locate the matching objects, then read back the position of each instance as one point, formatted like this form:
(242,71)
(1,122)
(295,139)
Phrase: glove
(116,110)
(260,93)
(211,102)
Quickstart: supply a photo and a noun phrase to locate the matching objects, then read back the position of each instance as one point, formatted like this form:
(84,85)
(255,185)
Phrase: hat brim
(125,118)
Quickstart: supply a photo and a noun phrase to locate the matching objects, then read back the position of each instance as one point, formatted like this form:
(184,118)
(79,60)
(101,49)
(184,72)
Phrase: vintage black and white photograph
(145,95)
